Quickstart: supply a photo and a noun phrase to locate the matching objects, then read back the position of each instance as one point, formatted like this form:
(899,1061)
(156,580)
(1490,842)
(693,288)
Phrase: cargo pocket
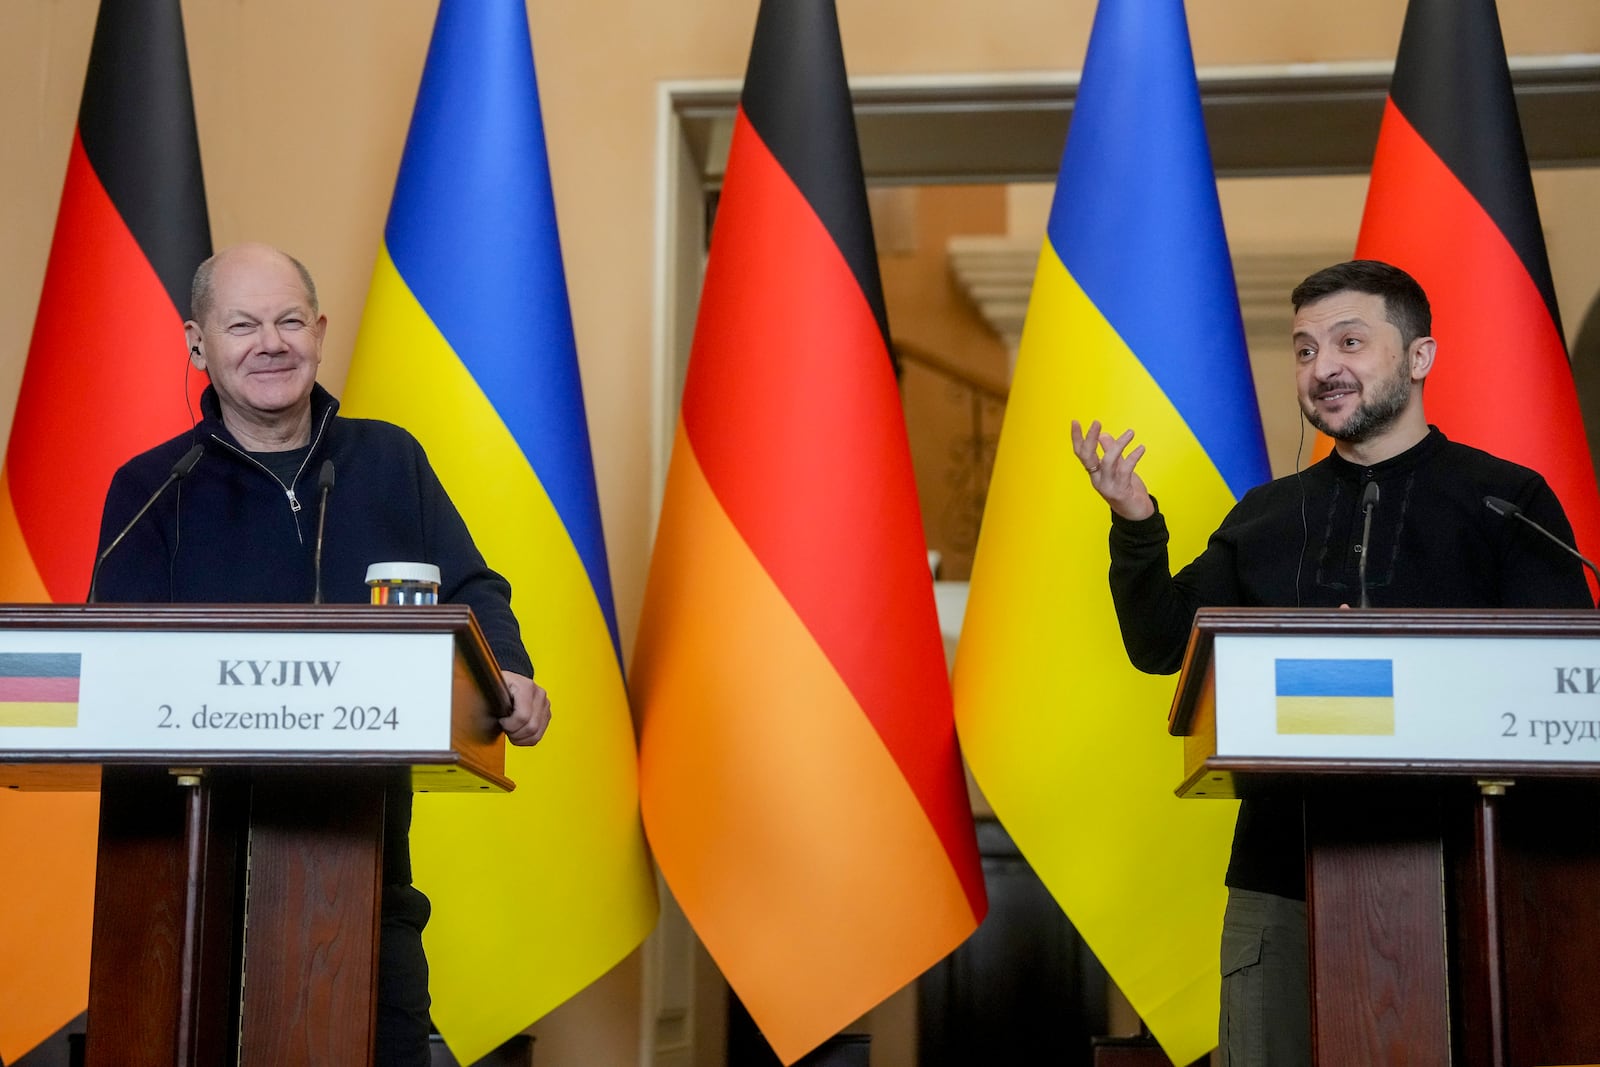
(1243,1029)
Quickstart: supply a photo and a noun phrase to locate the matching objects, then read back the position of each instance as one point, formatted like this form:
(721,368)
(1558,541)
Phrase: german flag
(105,379)
(39,688)
(800,778)
(1451,202)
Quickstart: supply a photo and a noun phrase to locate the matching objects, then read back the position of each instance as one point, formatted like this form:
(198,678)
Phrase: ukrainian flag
(1133,320)
(467,341)
(1335,696)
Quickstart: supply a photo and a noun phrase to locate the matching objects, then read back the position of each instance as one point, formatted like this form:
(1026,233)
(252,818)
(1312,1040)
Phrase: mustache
(1325,388)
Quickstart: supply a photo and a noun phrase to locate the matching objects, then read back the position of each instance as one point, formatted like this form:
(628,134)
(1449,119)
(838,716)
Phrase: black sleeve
(465,577)
(1534,572)
(1155,608)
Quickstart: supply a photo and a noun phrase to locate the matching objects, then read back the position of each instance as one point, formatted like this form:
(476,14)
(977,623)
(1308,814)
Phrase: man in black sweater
(240,528)
(1362,352)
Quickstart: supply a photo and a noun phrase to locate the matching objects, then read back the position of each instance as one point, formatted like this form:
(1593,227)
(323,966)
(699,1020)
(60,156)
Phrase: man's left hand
(530,710)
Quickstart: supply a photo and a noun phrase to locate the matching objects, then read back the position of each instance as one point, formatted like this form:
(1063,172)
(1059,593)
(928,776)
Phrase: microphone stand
(180,471)
(1510,510)
(324,485)
(1369,503)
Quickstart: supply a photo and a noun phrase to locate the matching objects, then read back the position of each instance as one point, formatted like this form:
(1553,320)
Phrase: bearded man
(1362,355)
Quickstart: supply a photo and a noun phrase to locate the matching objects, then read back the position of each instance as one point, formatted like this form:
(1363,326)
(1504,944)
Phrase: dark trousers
(1266,1002)
(403,1027)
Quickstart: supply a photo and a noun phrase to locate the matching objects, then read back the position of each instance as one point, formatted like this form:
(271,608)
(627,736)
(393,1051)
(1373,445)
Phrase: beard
(1375,413)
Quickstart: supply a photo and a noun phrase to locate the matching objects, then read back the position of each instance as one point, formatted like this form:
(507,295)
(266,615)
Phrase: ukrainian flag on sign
(1335,696)
(467,342)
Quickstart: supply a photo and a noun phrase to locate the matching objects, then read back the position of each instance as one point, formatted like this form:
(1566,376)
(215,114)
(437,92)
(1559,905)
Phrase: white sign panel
(64,692)
(1409,698)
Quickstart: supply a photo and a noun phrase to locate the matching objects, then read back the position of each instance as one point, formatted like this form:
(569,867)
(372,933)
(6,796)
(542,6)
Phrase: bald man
(236,530)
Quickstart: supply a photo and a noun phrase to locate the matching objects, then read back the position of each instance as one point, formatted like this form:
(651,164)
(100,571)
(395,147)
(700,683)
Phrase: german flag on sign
(39,688)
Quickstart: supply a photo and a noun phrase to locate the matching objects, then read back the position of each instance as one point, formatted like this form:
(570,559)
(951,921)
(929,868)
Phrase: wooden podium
(1449,766)
(243,754)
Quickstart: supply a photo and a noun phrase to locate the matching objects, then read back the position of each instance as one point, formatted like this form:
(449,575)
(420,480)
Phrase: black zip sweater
(231,532)
(1293,543)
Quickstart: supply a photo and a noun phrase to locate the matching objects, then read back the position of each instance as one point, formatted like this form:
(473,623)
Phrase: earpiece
(194,351)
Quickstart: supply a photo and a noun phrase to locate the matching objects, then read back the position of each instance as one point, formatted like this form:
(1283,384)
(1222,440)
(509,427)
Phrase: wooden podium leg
(1376,906)
(1487,832)
(160,976)
(311,917)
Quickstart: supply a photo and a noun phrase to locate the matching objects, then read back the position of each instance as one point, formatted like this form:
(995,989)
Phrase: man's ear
(197,355)
(322,333)
(1423,350)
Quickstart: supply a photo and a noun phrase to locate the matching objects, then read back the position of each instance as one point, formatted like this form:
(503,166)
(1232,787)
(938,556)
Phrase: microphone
(1510,510)
(180,471)
(1369,502)
(324,485)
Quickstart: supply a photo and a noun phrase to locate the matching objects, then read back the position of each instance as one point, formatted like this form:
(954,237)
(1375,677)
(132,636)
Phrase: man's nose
(271,337)
(1327,364)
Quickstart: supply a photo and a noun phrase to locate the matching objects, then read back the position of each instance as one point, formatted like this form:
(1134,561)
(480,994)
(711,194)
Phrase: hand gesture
(1111,469)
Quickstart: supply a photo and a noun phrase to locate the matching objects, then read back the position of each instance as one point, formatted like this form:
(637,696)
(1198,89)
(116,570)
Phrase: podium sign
(231,686)
(226,692)
(1447,765)
(1318,692)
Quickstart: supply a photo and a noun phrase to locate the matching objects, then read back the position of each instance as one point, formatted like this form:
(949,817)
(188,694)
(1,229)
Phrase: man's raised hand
(1110,466)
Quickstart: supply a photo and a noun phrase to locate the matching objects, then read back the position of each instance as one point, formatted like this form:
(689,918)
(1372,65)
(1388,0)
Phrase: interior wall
(950,362)
(303,105)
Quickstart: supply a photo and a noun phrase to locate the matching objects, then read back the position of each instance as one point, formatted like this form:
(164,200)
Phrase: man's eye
(241,329)
(291,324)
(1304,353)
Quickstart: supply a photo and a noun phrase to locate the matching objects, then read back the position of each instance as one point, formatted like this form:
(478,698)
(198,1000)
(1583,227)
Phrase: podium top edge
(1399,622)
(419,618)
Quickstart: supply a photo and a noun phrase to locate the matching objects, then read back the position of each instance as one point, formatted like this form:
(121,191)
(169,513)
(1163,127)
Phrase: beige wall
(945,349)
(303,106)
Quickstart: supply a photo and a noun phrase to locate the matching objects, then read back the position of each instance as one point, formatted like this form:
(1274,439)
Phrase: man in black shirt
(236,531)
(1362,353)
